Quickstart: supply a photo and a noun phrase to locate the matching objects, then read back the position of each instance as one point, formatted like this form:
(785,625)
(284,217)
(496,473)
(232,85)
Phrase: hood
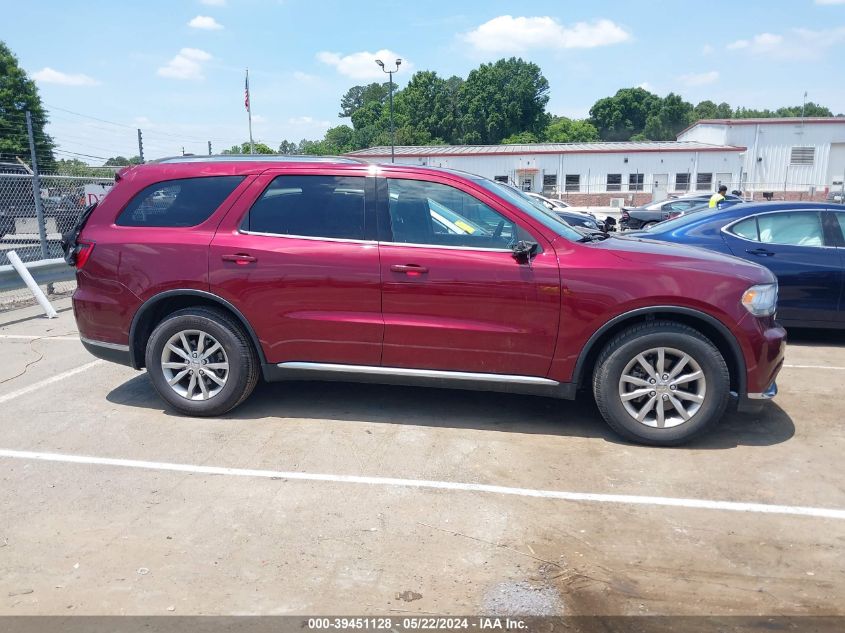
(684,257)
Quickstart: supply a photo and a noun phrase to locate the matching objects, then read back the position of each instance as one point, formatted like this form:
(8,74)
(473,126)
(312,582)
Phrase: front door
(661,186)
(792,245)
(296,261)
(454,296)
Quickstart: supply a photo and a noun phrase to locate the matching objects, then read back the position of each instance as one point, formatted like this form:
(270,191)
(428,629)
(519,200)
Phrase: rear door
(454,296)
(793,245)
(299,259)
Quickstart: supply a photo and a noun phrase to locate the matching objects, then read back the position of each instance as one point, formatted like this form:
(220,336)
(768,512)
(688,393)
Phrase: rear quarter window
(178,203)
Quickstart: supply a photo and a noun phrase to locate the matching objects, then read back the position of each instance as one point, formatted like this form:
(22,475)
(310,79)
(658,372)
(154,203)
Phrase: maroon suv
(211,272)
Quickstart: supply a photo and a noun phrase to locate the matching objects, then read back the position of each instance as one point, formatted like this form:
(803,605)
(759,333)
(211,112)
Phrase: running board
(509,383)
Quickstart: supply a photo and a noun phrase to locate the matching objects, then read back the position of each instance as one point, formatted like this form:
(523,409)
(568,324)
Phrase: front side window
(798,228)
(310,206)
(440,215)
(178,203)
(635,182)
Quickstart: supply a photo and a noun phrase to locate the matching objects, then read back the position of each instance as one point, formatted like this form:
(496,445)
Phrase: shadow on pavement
(815,337)
(448,408)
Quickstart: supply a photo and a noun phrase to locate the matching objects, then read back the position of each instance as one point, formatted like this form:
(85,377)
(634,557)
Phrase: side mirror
(524,251)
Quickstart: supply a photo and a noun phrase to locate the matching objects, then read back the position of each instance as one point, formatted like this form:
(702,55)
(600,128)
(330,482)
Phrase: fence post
(36,189)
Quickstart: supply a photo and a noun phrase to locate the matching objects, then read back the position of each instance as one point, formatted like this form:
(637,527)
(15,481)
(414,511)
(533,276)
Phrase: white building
(589,173)
(790,155)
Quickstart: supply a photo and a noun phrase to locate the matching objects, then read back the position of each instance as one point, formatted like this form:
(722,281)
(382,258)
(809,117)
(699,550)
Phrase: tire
(620,357)
(235,352)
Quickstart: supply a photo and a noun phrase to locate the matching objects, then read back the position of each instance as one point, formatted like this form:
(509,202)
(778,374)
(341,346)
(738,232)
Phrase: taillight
(82,253)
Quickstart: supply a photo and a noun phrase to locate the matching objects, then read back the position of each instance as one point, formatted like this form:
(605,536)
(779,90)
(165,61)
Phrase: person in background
(716,198)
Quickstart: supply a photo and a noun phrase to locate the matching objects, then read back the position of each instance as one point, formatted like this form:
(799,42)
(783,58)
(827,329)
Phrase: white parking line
(701,504)
(48,381)
(812,367)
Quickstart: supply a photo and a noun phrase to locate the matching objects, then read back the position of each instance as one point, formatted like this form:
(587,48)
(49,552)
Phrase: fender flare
(720,327)
(187,292)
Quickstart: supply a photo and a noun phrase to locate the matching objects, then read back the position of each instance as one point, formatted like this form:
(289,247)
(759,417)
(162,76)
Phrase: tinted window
(310,206)
(747,228)
(185,202)
(841,217)
(802,228)
(431,213)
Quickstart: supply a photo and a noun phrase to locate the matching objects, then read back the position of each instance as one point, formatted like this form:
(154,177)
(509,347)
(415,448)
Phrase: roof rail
(265,158)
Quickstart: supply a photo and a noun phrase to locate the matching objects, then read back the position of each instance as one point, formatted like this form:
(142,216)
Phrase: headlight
(761,300)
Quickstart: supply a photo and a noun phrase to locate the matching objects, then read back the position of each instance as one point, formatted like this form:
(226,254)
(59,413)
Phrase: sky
(175,68)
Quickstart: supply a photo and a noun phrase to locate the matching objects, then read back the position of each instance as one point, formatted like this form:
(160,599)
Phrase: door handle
(409,269)
(760,252)
(239,258)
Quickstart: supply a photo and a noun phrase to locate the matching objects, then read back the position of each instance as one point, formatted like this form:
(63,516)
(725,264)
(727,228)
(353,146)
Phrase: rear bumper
(112,352)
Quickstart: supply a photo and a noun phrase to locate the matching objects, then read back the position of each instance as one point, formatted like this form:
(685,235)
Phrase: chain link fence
(61,199)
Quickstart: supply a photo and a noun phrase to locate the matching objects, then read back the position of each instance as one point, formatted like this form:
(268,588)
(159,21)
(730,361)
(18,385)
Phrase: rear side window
(747,228)
(310,206)
(803,228)
(178,203)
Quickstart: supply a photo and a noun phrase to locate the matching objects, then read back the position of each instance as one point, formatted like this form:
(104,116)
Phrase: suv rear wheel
(201,362)
(661,383)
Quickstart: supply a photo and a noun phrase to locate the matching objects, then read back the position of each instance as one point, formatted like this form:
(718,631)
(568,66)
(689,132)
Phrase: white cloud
(646,86)
(49,76)
(362,65)
(508,34)
(205,22)
(797,44)
(187,64)
(699,79)
(214,3)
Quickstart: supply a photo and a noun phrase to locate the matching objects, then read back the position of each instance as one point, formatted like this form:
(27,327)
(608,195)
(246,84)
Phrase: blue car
(802,243)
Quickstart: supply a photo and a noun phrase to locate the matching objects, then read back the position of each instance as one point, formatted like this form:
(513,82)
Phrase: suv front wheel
(661,383)
(201,362)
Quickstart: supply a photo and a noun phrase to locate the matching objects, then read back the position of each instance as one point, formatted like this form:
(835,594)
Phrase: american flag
(246,92)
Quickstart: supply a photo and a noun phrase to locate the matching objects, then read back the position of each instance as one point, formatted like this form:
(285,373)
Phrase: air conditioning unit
(617,203)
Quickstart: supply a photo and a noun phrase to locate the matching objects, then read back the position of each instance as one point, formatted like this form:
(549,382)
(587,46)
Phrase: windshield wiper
(589,236)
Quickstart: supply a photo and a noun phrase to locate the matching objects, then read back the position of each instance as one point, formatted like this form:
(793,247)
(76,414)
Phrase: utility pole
(183,150)
(392,131)
(209,148)
(140,146)
(36,188)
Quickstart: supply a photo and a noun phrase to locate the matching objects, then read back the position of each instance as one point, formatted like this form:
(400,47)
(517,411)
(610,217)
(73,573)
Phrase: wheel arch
(709,326)
(156,308)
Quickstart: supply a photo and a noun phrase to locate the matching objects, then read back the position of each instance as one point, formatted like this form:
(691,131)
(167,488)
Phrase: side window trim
(819,213)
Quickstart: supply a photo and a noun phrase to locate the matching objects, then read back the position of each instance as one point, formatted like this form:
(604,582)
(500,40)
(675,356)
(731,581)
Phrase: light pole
(392,132)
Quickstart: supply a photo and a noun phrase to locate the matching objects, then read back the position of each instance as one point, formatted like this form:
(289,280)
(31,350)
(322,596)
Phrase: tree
(430,105)
(358,96)
(623,115)
(501,99)
(564,130)
(520,138)
(122,161)
(18,93)
(709,110)
(288,147)
(243,148)
(672,115)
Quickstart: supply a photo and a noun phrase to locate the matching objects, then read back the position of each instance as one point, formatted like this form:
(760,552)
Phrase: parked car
(643,217)
(571,216)
(310,269)
(800,242)
(17,201)
(836,196)
(552,203)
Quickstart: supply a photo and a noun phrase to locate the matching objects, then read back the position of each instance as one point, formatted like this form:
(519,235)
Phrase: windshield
(537,211)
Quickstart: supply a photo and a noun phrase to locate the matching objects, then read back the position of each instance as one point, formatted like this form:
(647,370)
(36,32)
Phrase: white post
(31,284)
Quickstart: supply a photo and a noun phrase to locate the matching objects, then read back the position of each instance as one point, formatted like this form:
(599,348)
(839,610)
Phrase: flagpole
(249,113)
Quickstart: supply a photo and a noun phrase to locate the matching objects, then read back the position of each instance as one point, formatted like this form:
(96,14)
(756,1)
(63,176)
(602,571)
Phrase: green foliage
(430,105)
(623,115)
(18,93)
(358,96)
(501,99)
(520,137)
(709,110)
(288,147)
(564,130)
(668,118)
(76,167)
(810,109)
(243,148)
(122,161)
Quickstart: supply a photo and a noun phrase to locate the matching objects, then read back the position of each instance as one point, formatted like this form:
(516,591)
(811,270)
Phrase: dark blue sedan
(801,242)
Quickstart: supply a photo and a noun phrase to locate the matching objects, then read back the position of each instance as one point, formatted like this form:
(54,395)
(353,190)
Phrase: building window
(503,179)
(614,182)
(802,156)
(573,182)
(635,182)
(527,183)
(682,182)
(704,181)
(549,183)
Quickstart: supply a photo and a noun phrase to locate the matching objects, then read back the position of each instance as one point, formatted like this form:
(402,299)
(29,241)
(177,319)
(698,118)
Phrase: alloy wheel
(195,365)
